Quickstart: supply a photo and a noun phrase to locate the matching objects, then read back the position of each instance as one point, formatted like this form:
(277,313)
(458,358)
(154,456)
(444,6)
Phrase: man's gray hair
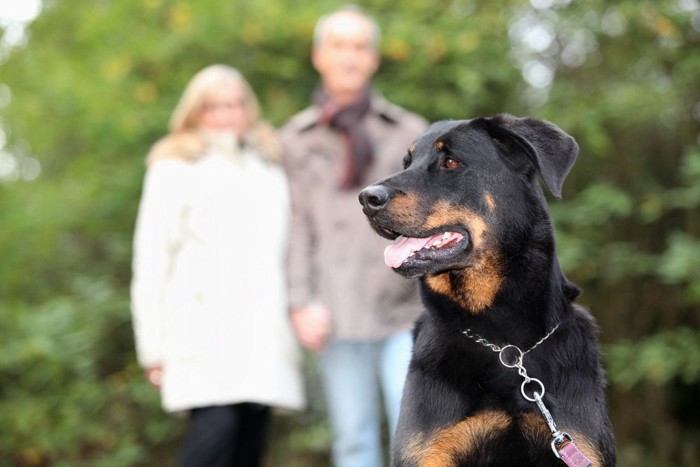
(322,24)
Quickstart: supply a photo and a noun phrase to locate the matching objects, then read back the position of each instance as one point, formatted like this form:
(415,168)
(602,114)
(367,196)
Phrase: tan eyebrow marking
(439,146)
(411,149)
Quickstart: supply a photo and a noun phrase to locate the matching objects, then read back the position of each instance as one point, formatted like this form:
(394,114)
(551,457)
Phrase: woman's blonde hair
(183,142)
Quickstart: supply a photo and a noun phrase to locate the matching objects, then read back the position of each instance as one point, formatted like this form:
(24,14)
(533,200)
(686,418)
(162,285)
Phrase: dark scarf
(359,153)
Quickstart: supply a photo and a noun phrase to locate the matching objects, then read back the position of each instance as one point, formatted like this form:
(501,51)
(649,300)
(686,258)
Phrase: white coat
(208,288)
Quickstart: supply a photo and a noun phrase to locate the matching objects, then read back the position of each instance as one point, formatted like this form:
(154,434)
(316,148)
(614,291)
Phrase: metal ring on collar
(536,394)
(518,358)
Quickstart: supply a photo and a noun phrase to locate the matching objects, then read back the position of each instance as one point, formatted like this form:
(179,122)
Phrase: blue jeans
(355,374)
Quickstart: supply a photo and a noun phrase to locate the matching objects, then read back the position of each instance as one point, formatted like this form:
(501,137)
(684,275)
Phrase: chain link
(516,363)
(480,340)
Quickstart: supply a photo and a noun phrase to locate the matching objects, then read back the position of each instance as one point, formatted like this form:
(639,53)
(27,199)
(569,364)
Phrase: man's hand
(312,325)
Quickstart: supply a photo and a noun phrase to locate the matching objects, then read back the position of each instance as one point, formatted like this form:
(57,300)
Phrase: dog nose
(373,198)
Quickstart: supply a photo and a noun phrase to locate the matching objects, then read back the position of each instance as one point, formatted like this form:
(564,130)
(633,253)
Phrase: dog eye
(450,163)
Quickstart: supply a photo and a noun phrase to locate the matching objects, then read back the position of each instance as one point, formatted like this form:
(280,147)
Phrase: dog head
(469,196)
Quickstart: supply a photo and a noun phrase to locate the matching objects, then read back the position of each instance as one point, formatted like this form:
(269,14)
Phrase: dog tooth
(446,235)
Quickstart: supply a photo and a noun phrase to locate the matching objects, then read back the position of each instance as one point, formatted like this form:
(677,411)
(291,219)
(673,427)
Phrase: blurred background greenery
(87,86)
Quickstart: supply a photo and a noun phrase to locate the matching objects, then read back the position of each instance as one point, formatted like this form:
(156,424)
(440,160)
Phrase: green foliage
(70,389)
(94,88)
(658,359)
(681,264)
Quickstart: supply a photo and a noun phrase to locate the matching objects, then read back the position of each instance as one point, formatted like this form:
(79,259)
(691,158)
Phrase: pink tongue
(396,253)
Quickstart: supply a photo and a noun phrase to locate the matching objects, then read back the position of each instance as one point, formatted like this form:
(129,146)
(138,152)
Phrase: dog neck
(537,296)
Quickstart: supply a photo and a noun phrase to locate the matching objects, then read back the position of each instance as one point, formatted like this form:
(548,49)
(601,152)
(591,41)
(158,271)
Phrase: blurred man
(345,304)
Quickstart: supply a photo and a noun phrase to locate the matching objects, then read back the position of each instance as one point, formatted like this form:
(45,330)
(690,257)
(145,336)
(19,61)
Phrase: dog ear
(550,148)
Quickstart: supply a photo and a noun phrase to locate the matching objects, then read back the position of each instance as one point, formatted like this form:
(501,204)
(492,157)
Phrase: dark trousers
(226,436)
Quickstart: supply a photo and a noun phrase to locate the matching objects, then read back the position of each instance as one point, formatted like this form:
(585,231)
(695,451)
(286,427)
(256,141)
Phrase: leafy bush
(92,89)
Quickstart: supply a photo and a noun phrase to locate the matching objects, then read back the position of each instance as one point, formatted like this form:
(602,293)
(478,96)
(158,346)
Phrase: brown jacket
(334,256)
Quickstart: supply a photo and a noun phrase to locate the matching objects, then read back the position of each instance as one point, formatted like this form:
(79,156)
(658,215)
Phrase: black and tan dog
(471,221)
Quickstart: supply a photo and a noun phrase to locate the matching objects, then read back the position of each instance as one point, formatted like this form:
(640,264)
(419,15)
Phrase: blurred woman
(208,290)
